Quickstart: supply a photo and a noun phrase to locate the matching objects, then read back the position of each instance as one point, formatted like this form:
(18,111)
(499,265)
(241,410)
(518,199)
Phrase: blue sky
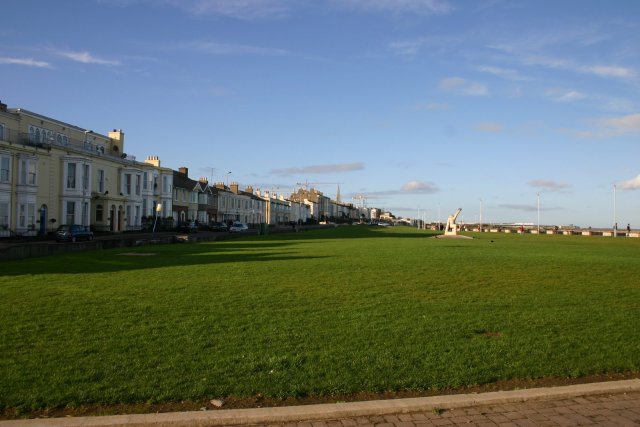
(416,104)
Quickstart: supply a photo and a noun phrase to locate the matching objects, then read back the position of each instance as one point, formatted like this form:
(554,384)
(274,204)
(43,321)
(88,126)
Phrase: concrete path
(615,403)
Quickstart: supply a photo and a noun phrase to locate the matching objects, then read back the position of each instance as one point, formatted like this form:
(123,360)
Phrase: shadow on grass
(274,247)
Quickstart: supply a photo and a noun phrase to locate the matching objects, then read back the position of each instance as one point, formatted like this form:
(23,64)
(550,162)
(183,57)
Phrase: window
(71,213)
(5,163)
(28,172)
(136,220)
(101,180)
(165,184)
(127,183)
(1,132)
(27,215)
(4,214)
(85,213)
(128,218)
(145,179)
(85,178)
(138,178)
(99,213)
(71,175)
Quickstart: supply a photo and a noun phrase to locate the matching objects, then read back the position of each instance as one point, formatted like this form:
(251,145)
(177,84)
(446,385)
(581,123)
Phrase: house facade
(53,173)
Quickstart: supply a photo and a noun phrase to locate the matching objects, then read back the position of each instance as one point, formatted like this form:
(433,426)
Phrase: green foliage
(316,313)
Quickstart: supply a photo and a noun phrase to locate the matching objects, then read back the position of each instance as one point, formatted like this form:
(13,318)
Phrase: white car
(238,227)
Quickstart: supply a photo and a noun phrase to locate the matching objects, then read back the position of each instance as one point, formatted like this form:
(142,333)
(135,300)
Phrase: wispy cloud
(631,184)
(565,95)
(411,187)
(419,187)
(247,10)
(28,62)
(421,7)
(217,48)
(85,57)
(518,207)
(609,127)
(463,87)
(549,185)
(525,56)
(505,73)
(320,169)
(491,127)
(527,208)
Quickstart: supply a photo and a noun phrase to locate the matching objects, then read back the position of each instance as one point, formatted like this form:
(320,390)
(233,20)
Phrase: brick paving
(621,409)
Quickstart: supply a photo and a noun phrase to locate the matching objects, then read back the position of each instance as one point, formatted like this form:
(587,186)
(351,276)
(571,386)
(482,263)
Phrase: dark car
(188,227)
(218,226)
(73,233)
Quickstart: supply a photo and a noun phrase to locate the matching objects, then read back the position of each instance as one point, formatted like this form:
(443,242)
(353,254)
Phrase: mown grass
(316,313)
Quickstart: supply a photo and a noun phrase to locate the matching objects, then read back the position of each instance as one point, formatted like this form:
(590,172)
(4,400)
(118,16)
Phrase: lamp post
(158,210)
(480,224)
(538,194)
(228,173)
(615,221)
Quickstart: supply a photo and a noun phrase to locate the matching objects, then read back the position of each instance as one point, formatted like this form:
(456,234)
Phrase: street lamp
(228,173)
(615,221)
(480,225)
(538,194)
(158,210)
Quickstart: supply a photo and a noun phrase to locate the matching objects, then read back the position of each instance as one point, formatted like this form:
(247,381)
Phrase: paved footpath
(615,403)
(622,409)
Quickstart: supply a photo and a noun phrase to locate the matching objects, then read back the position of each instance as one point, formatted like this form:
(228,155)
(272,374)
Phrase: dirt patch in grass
(264,402)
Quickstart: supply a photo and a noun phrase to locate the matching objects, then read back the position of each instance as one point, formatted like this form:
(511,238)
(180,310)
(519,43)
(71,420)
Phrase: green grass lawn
(315,313)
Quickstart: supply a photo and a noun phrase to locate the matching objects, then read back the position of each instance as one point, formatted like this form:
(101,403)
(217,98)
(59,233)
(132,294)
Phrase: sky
(419,107)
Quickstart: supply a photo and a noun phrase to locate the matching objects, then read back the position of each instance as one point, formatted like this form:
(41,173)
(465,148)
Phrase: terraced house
(53,173)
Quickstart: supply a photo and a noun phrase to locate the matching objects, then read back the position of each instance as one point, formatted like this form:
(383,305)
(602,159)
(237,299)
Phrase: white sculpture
(451,228)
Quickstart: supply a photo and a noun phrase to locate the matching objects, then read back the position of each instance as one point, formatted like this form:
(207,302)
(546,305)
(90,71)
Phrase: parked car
(238,227)
(188,227)
(218,226)
(73,233)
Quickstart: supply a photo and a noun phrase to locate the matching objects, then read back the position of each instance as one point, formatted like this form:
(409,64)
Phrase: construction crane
(362,198)
(306,184)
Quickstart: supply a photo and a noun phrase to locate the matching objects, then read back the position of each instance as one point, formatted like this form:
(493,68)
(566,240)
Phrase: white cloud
(609,71)
(85,58)
(609,127)
(632,184)
(565,95)
(506,73)
(29,62)
(624,124)
(419,187)
(491,127)
(320,169)
(463,87)
(549,185)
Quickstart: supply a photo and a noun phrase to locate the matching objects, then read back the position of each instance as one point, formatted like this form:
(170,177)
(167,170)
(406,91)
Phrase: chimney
(220,185)
(249,189)
(234,187)
(117,140)
(203,180)
(184,170)
(153,160)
